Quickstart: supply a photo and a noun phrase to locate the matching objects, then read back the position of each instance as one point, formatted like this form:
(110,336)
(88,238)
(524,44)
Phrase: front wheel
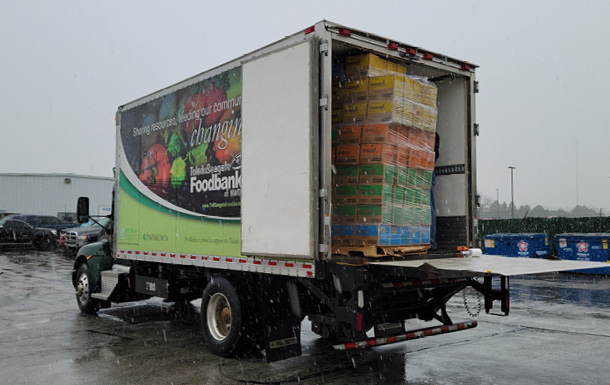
(43,243)
(86,304)
(222,318)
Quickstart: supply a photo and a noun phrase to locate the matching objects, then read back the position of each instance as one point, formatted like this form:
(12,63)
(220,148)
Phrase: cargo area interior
(452,188)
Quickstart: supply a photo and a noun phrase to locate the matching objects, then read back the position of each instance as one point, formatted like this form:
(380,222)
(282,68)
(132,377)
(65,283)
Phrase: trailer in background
(54,194)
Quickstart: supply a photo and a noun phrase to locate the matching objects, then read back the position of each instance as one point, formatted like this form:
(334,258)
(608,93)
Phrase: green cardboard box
(375,194)
(344,213)
(377,174)
(346,194)
(398,215)
(375,214)
(347,175)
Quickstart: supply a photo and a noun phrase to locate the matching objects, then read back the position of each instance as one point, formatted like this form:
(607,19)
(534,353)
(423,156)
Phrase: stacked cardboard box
(383,145)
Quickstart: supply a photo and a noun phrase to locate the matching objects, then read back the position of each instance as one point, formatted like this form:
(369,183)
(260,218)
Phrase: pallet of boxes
(384,123)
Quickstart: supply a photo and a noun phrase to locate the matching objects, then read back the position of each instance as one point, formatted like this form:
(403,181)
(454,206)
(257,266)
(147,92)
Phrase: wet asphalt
(558,332)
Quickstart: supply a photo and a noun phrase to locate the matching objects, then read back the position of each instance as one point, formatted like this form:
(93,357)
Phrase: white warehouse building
(54,194)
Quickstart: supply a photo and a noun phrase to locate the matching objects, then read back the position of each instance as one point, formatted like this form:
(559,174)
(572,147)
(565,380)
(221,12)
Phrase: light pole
(497,204)
(512,193)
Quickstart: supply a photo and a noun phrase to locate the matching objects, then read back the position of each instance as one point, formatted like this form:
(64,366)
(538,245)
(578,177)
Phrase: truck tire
(86,304)
(222,318)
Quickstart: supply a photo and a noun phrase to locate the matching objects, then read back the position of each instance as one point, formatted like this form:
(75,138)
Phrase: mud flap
(282,339)
(282,322)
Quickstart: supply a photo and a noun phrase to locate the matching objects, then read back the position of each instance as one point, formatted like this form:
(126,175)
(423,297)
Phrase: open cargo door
(279,143)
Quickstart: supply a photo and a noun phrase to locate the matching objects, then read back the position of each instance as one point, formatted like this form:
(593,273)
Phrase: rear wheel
(86,304)
(222,318)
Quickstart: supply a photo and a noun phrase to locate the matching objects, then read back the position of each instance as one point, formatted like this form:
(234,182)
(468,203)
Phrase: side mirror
(82,209)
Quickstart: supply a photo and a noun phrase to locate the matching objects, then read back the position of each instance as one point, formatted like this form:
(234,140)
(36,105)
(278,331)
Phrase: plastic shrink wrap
(384,124)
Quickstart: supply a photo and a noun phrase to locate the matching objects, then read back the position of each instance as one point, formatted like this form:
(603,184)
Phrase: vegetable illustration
(228,149)
(155,170)
(178,172)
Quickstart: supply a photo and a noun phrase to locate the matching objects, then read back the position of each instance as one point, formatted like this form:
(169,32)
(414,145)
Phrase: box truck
(232,187)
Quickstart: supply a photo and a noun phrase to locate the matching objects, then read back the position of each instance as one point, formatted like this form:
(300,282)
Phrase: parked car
(17,233)
(43,221)
(88,232)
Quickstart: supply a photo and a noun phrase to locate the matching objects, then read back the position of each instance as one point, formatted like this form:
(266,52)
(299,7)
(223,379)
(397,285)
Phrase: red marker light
(310,30)
(345,32)
(410,51)
(465,67)
(393,46)
(428,56)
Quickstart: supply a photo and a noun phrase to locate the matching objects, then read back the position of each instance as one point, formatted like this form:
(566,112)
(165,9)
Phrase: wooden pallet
(376,251)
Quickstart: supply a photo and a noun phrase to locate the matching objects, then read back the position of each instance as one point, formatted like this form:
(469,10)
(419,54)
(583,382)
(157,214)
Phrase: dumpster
(523,245)
(584,247)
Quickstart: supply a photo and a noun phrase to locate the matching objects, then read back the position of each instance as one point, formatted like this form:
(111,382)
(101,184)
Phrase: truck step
(100,296)
(376,251)
(110,279)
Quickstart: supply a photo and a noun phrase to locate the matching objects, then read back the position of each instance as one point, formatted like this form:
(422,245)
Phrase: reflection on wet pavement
(558,332)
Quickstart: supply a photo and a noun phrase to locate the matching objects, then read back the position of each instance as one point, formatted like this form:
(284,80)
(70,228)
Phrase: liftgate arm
(491,294)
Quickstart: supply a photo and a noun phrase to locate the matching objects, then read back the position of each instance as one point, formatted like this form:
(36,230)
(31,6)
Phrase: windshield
(102,221)
(3,220)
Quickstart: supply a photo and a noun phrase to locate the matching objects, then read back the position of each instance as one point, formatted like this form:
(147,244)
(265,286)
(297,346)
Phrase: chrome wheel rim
(219,316)
(82,289)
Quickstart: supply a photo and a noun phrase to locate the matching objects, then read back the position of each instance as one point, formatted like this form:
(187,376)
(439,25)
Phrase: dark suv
(43,221)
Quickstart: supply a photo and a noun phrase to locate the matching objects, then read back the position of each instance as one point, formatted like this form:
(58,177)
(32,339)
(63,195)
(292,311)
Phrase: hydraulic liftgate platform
(483,266)
(471,265)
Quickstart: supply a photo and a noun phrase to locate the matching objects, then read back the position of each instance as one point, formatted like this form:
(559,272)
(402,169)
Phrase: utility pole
(512,193)
(497,204)
(577,203)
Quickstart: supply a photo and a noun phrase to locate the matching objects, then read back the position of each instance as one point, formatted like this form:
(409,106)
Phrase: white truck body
(286,167)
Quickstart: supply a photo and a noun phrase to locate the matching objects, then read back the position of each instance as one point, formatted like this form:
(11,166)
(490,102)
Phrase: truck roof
(407,51)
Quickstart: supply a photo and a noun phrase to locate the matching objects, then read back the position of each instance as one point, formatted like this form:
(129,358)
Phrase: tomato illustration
(192,103)
(227,149)
(155,170)
(208,104)
(213,103)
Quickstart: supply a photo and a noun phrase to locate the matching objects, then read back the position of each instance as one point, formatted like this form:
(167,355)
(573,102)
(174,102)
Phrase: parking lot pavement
(558,332)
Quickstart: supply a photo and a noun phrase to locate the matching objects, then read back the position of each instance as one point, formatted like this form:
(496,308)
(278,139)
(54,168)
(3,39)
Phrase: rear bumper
(406,336)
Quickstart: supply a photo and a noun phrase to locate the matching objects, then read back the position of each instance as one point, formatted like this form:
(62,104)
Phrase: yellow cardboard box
(386,87)
(385,111)
(356,90)
(409,114)
(337,115)
(429,93)
(365,65)
(429,119)
(411,90)
(354,112)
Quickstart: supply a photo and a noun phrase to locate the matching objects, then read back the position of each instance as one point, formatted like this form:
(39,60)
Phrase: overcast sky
(544,77)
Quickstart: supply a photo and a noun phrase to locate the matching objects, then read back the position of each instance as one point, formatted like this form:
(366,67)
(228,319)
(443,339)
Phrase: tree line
(491,209)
